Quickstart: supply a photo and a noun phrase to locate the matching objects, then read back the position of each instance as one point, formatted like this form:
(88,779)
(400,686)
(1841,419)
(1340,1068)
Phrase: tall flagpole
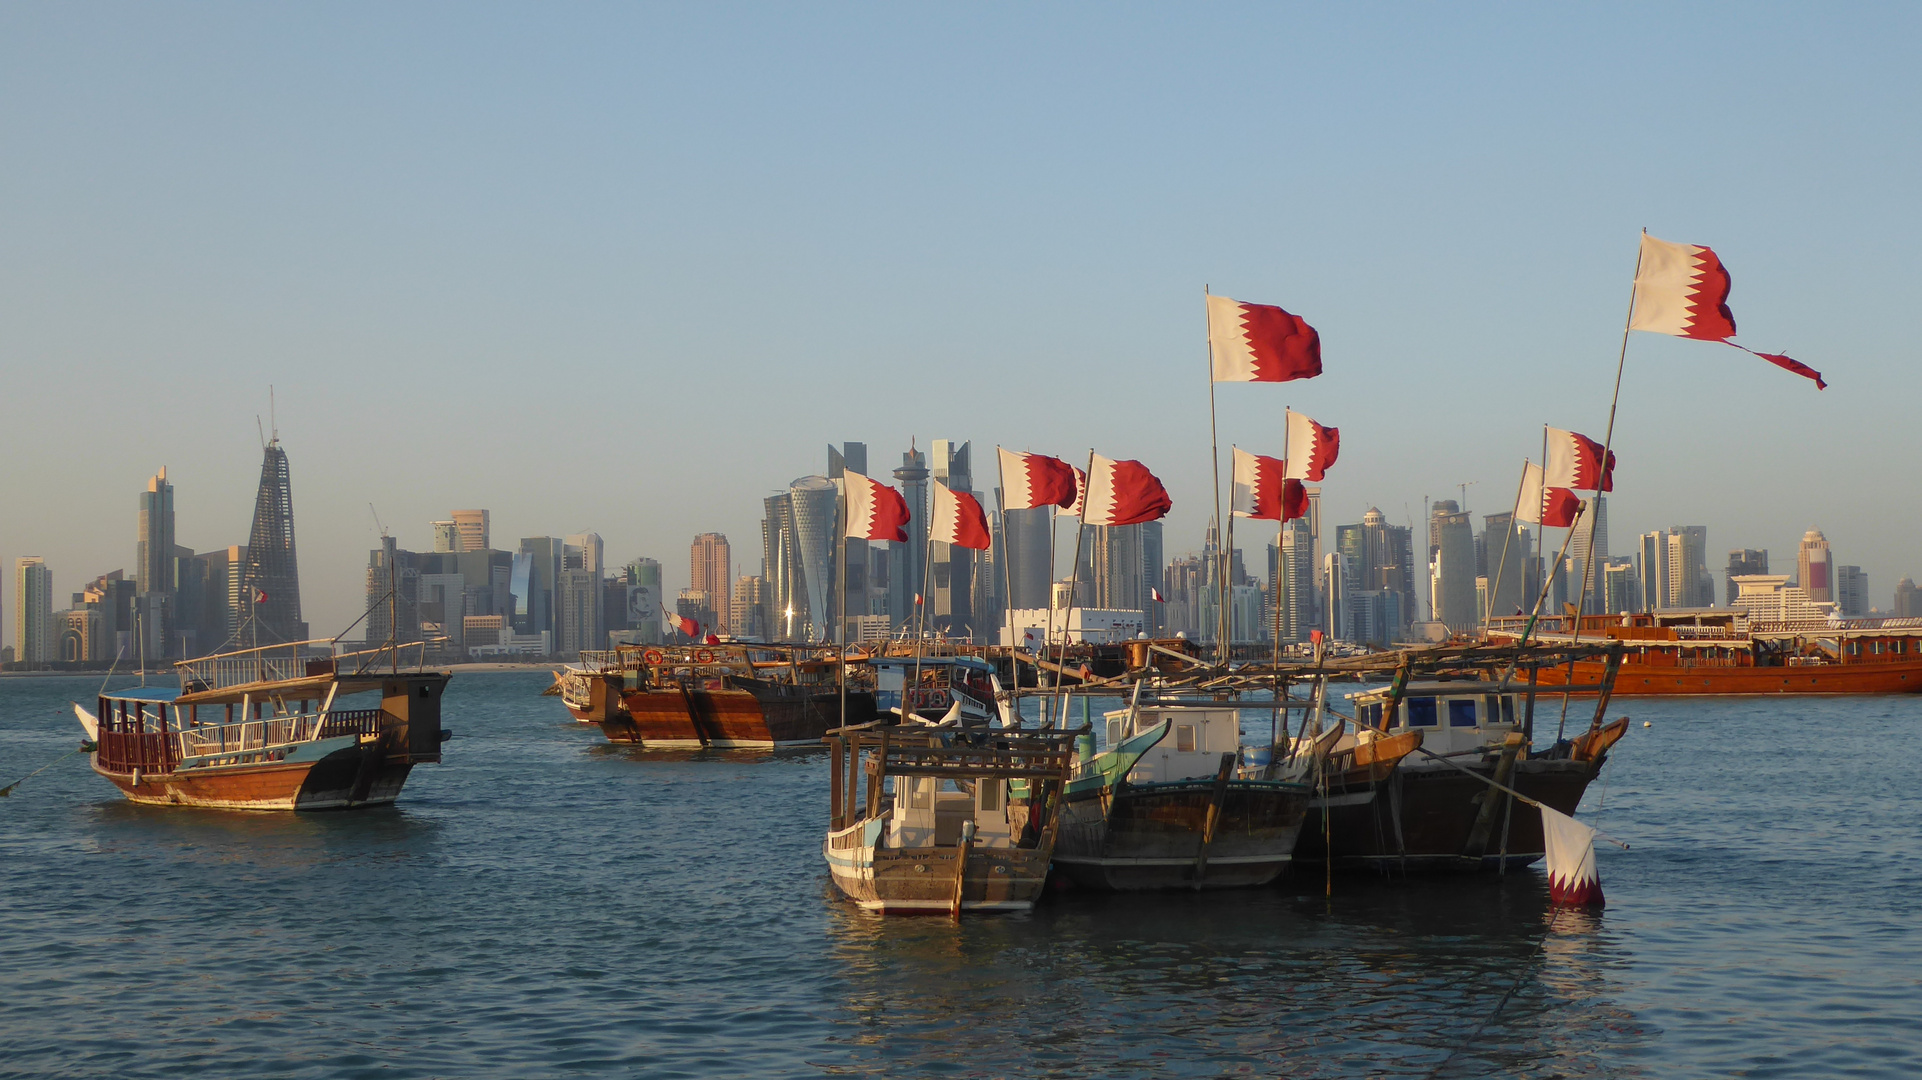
(842,574)
(1214,461)
(1074,586)
(1227,619)
(1007,590)
(1501,566)
(921,608)
(1608,437)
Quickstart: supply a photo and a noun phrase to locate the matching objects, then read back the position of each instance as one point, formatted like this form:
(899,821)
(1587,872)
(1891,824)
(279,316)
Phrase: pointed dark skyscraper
(270,591)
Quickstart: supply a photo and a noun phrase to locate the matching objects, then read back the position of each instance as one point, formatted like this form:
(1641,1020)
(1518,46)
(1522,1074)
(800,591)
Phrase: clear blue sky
(627,269)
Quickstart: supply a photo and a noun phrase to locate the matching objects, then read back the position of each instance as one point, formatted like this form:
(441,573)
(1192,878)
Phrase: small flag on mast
(1539,504)
(1575,462)
(1123,493)
(688,627)
(958,520)
(1260,343)
(1682,290)
(1032,480)
(1260,490)
(1311,448)
(875,510)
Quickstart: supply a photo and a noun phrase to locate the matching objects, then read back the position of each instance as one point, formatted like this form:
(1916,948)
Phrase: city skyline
(566,597)
(204,209)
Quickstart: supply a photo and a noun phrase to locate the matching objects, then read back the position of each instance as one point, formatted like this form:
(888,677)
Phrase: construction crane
(377,524)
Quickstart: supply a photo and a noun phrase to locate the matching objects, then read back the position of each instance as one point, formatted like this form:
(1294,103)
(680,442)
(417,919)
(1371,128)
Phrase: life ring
(654,656)
(704,656)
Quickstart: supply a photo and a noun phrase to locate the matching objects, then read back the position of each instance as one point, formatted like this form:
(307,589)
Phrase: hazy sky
(628,269)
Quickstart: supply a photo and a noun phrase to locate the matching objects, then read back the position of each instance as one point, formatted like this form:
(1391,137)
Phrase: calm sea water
(543,904)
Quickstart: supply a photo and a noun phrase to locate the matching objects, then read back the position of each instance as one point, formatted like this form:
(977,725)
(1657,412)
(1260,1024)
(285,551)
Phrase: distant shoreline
(458,669)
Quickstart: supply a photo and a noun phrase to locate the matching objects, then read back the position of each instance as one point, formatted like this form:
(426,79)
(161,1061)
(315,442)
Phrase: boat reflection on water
(1455,978)
(735,756)
(222,838)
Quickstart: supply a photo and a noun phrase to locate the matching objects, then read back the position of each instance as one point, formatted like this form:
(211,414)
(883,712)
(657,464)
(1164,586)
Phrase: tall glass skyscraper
(816,519)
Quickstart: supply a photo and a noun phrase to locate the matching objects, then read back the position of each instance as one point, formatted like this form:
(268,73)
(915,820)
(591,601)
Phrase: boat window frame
(1454,712)
(1428,705)
(1187,738)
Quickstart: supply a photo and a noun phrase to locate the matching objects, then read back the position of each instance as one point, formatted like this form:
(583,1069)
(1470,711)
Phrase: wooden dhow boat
(270,729)
(725,695)
(1414,783)
(1718,651)
(1171,803)
(943,820)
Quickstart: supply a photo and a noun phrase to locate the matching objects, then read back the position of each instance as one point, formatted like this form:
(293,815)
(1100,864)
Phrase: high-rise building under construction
(270,580)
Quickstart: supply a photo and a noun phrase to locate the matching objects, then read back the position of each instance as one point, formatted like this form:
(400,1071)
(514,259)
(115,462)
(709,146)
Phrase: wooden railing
(125,751)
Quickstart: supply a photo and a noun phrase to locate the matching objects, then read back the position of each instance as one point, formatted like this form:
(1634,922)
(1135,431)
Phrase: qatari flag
(1123,493)
(1260,491)
(685,625)
(875,510)
(1311,448)
(1682,290)
(1575,462)
(1542,505)
(1572,878)
(958,520)
(1031,480)
(1260,343)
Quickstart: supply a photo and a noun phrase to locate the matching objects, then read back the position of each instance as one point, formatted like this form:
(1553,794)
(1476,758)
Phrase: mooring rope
(1500,1004)
(81,749)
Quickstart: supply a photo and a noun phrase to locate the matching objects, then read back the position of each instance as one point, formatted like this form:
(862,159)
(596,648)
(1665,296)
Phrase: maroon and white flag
(1575,462)
(1311,448)
(1261,490)
(958,520)
(1031,480)
(1155,595)
(1682,290)
(688,627)
(875,510)
(1539,504)
(1572,878)
(1260,343)
(1123,493)
(1080,492)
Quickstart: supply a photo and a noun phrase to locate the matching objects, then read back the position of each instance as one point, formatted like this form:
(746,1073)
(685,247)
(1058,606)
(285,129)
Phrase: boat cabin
(931,811)
(932,684)
(1453,717)
(1196,739)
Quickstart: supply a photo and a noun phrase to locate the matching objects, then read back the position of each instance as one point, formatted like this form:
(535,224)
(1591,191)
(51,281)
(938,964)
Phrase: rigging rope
(82,748)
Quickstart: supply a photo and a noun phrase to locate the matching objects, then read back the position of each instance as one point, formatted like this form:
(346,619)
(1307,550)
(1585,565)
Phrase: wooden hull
(1655,680)
(690,719)
(346,778)
(1421,817)
(1149,836)
(922,881)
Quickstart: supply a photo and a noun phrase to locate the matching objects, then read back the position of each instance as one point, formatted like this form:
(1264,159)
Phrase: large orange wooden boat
(1717,651)
(726,695)
(263,729)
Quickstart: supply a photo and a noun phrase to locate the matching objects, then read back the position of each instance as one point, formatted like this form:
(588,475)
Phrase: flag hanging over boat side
(1575,462)
(958,520)
(875,510)
(1682,290)
(1260,343)
(1260,491)
(1032,480)
(1539,504)
(1572,878)
(1123,493)
(1311,448)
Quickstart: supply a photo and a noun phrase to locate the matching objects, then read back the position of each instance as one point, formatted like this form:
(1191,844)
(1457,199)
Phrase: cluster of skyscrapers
(177,603)
(555,596)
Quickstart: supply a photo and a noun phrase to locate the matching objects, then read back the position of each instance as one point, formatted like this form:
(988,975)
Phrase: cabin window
(1508,710)
(1876,648)
(988,796)
(1421,712)
(1185,737)
(1461,712)
(1371,715)
(1114,733)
